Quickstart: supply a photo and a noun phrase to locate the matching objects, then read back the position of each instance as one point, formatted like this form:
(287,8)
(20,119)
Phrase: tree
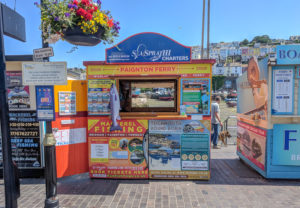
(245,42)
(217,82)
(265,39)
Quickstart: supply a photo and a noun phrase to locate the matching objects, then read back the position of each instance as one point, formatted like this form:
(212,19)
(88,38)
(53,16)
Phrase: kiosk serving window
(148,95)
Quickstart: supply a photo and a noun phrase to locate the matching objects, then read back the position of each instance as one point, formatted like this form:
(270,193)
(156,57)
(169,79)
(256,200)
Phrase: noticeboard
(44,73)
(283,91)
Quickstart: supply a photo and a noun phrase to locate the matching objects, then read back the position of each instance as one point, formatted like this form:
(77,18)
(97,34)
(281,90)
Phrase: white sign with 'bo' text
(44,73)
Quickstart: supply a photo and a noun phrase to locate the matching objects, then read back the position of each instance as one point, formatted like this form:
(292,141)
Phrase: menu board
(17,94)
(283,83)
(98,96)
(196,96)
(25,139)
(67,103)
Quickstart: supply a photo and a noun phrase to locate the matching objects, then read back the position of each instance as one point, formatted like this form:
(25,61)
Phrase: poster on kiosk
(141,105)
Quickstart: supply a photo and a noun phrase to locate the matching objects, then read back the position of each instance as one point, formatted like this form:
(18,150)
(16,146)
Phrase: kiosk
(268,135)
(165,111)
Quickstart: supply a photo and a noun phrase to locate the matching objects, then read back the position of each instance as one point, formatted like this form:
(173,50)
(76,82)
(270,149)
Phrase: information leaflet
(282,91)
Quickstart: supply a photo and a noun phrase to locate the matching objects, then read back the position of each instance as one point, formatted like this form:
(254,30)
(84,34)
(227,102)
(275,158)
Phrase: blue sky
(231,20)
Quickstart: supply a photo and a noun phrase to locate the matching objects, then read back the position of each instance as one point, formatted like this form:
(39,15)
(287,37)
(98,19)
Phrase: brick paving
(232,184)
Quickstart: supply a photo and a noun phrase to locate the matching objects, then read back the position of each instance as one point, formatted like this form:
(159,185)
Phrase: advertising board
(251,142)
(252,90)
(185,70)
(67,103)
(179,154)
(45,103)
(148,47)
(98,96)
(288,54)
(286,144)
(195,96)
(121,154)
(25,139)
(18,95)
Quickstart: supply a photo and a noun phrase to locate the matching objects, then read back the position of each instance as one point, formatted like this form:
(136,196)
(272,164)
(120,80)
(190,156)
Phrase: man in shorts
(215,121)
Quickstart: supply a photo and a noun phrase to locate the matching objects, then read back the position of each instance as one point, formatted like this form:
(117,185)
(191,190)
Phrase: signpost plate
(43,53)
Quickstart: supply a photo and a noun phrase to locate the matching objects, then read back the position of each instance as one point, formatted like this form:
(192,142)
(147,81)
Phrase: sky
(181,20)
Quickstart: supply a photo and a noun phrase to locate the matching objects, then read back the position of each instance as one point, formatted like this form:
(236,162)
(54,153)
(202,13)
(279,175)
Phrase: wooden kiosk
(165,111)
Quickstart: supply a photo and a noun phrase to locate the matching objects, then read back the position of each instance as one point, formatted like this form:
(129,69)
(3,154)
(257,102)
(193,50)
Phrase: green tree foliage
(245,42)
(217,82)
(265,39)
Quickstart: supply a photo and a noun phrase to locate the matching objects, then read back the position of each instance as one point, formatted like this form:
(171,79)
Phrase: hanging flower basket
(80,22)
(76,36)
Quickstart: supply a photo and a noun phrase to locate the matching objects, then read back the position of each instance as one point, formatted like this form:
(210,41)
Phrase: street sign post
(43,53)
(11,24)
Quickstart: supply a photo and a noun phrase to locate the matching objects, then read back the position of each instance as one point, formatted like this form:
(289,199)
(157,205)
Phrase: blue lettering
(290,53)
(287,138)
(282,54)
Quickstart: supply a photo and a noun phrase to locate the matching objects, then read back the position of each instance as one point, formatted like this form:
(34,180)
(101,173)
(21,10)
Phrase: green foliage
(217,82)
(264,39)
(245,42)
(58,16)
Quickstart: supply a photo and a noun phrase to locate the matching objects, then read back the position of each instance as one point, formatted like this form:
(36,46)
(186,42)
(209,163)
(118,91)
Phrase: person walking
(215,121)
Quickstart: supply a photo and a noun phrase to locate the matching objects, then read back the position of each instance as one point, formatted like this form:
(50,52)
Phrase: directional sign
(43,52)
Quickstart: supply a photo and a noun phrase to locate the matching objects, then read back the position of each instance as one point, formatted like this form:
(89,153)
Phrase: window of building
(157,95)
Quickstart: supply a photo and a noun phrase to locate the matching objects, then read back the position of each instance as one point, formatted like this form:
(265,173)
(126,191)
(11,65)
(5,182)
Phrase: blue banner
(45,103)
(148,48)
(288,54)
(286,144)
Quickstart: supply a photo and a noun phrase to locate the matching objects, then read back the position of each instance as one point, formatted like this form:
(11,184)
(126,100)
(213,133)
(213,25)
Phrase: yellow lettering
(139,129)
(130,129)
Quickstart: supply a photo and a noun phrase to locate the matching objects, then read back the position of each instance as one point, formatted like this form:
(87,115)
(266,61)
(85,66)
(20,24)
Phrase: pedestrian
(215,121)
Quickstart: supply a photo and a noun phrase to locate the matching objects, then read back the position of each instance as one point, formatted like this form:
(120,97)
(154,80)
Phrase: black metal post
(51,200)
(8,168)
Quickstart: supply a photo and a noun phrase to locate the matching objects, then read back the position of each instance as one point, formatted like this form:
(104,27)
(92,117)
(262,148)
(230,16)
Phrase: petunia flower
(67,14)
(56,18)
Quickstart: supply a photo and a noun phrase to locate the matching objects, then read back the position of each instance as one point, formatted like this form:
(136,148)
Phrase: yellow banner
(150,69)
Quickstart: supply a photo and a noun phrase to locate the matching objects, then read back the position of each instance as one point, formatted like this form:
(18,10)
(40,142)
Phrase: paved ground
(232,185)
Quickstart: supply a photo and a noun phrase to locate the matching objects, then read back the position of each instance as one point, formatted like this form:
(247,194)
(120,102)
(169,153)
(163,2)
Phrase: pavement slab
(232,184)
